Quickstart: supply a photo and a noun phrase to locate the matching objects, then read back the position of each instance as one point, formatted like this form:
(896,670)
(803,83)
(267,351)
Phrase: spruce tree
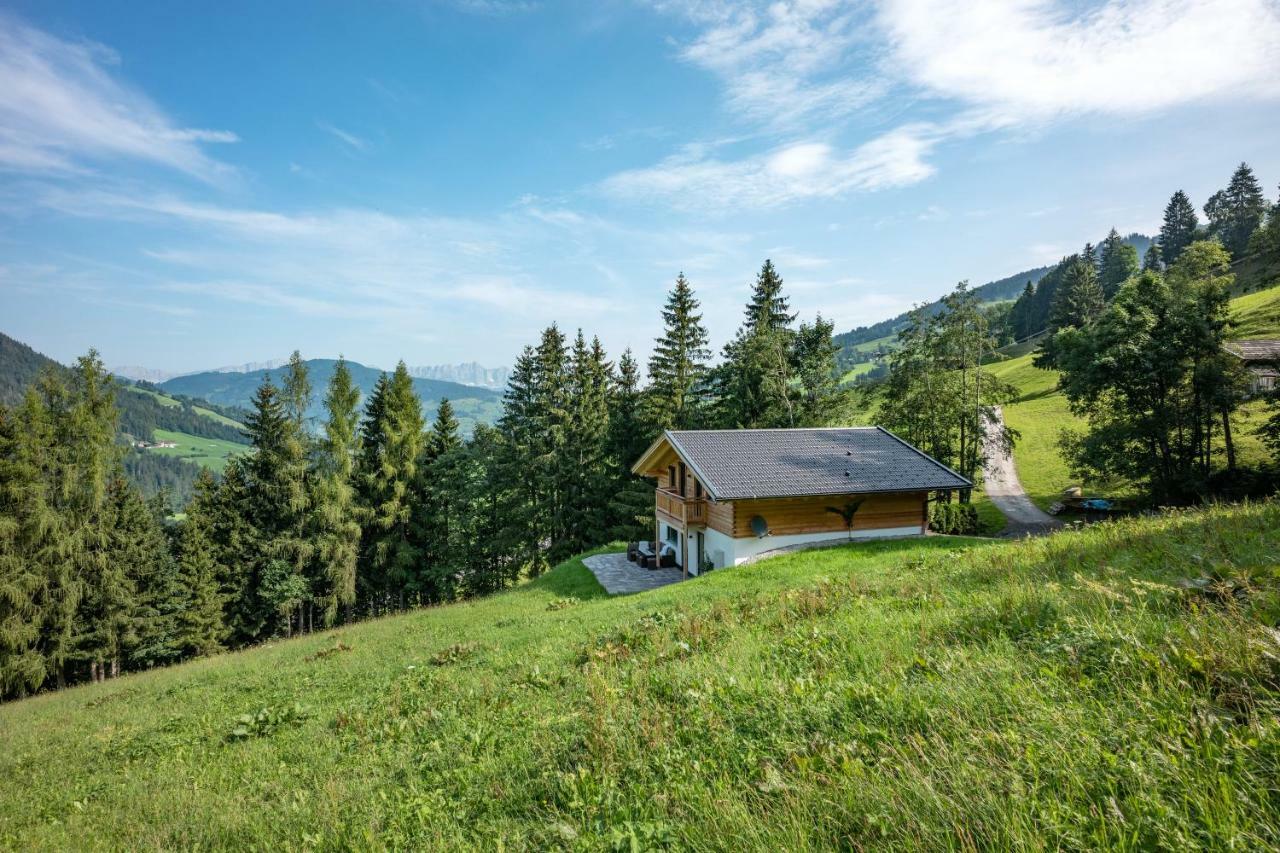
(678,366)
(145,544)
(586,448)
(107,615)
(278,508)
(393,441)
(335,522)
(754,383)
(631,497)
(295,391)
(1236,212)
(439,505)
(200,629)
(1179,229)
(1080,299)
(1151,260)
(30,529)
(1118,263)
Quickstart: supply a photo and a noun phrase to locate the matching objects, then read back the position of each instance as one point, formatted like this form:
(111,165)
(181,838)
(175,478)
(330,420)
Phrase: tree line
(1237,217)
(378,512)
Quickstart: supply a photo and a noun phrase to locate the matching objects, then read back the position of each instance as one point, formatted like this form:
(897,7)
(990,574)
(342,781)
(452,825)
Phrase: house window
(697,488)
(682,485)
(671,477)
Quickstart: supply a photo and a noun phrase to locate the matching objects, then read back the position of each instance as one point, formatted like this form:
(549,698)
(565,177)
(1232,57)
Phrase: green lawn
(1257,315)
(1065,692)
(211,453)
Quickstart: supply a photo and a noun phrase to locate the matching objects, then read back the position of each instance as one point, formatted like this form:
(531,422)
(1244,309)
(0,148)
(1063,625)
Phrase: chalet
(725,496)
(1262,360)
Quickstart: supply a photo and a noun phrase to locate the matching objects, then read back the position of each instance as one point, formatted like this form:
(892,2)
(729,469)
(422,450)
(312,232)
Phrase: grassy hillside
(1041,412)
(1063,692)
(209,453)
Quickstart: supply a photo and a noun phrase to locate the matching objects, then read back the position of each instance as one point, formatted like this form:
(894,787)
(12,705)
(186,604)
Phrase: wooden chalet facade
(726,496)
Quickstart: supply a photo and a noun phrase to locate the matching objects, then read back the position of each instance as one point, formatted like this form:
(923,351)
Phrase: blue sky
(189,185)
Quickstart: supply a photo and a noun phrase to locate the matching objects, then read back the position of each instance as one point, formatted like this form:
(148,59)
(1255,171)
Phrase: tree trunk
(1228,441)
(115,667)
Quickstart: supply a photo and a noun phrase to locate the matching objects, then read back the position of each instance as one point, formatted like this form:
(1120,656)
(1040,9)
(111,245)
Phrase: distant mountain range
(472,403)
(469,373)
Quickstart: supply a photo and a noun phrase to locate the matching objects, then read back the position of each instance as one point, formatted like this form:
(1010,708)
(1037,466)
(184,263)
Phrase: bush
(953,519)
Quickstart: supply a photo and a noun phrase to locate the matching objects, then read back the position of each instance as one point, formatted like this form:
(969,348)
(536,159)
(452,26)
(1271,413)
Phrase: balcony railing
(683,509)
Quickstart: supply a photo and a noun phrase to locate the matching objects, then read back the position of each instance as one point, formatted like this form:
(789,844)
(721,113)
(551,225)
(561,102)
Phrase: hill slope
(1062,692)
(147,415)
(471,403)
(1041,413)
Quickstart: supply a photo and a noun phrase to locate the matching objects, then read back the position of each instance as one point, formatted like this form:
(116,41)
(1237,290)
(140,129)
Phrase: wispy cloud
(783,63)
(781,176)
(63,110)
(352,141)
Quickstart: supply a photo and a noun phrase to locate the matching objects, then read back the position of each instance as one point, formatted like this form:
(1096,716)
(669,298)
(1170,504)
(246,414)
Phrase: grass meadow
(1115,687)
(211,453)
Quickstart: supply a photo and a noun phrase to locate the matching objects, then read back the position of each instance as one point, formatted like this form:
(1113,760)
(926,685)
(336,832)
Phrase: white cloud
(1036,59)
(782,63)
(61,110)
(782,176)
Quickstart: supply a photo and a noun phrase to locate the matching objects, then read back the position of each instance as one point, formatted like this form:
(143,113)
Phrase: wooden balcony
(687,511)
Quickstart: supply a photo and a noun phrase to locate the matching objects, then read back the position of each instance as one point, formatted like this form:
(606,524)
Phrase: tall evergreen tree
(1080,299)
(278,509)
(335,522)
(678,366)
(1236,212)
(439,504)
(586,446)
(754,384)
(1179,229)
(1118,263)
(392,436)
(200,627)
(1151,260)
(631,497)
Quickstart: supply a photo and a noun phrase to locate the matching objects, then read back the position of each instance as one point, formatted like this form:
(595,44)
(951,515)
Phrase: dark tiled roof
(773,463)
(1255,350)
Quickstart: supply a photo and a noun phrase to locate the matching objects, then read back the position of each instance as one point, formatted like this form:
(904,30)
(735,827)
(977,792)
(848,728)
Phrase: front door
(701,551)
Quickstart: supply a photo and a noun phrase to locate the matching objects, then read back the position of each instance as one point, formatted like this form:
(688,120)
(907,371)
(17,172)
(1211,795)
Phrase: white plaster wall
(745,549)
(717,541)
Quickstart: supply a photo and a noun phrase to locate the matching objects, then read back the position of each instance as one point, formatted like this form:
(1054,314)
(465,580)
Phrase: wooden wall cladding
(793,516)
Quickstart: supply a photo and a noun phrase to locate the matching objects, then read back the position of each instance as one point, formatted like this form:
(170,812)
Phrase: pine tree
(107,615)
(768,308)
(439,504)
(1236,212)
(754,382)
(85,459)
(1080,299)
(517,455)
(1151,260)
(1022,316)
(200,628)
(631,497)
(144,544)
(295,393)
(392,438)
(1179,229)
(586,446)
(1118,263)
(278,508)
(335,523)
(551,425)
(30,528)
(678,366)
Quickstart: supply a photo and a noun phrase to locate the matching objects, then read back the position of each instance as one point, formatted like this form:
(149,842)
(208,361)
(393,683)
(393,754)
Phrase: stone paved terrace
(618,575)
